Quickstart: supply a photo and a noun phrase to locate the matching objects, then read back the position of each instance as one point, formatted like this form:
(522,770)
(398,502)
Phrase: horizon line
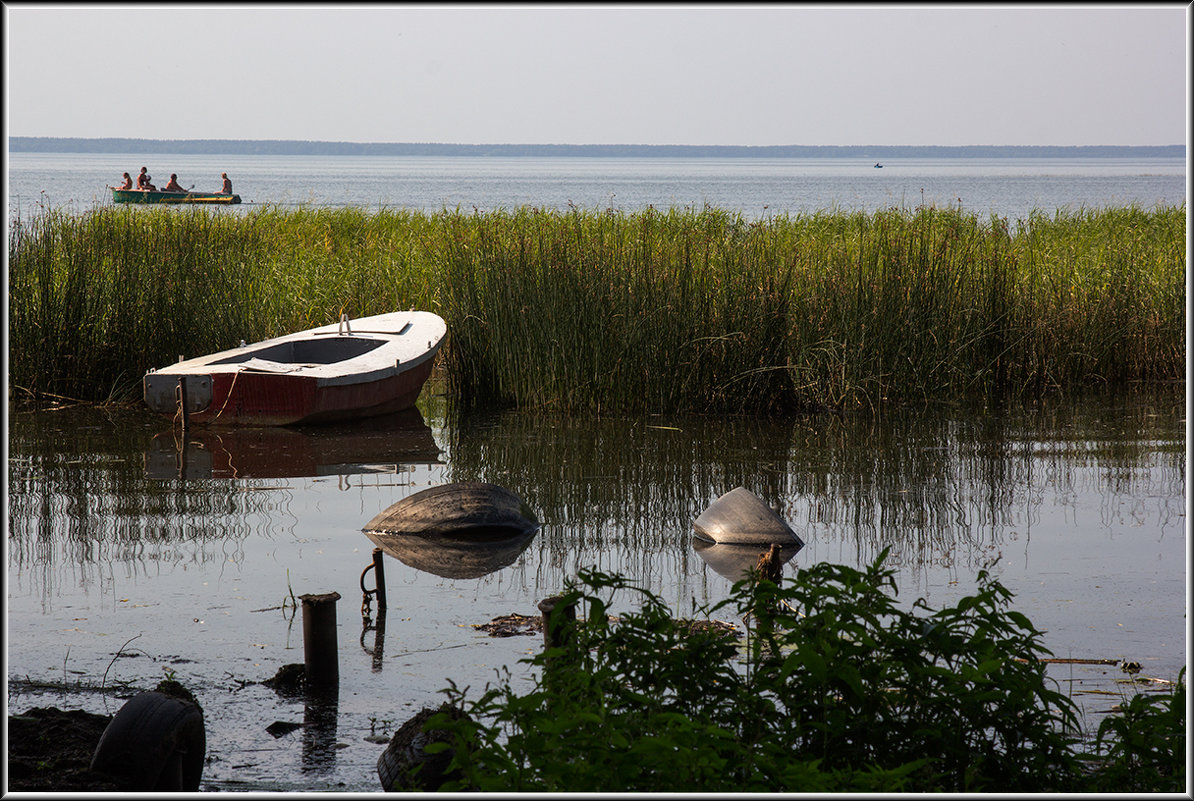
(11,137)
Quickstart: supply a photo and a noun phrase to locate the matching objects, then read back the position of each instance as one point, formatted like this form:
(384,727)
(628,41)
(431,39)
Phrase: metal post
(379,575)
(182,402)
(319,642)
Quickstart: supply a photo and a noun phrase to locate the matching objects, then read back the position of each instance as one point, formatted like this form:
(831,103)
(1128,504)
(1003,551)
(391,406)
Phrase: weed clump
(837,688)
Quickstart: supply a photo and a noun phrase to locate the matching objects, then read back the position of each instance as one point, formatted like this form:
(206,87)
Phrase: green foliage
(589,311)
(98,299)
(837,689)
(1145,745)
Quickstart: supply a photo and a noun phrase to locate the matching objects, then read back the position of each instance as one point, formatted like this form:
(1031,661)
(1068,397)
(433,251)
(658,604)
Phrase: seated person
(128,182)
(143,181)
(226,189)
(173,186)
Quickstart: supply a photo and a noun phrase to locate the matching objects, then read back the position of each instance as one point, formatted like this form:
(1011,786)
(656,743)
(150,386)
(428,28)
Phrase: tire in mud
(406,766)
(155,743)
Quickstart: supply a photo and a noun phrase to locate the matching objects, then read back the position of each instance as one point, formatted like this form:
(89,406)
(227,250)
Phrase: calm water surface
(1010,188)
(124,539)
(124,535)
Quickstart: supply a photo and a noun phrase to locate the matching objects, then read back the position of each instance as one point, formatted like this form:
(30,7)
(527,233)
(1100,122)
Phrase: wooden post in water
(556,633)
(319,643)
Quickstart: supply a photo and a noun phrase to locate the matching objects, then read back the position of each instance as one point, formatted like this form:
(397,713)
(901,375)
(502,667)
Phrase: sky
(592,74)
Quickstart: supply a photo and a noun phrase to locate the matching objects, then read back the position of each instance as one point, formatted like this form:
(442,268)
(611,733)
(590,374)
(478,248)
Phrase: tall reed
(96,300)
(605,311)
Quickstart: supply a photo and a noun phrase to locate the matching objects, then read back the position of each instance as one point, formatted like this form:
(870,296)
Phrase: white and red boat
(351,369)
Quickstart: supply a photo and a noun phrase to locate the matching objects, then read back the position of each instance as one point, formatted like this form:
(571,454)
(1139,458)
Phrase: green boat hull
(142,196)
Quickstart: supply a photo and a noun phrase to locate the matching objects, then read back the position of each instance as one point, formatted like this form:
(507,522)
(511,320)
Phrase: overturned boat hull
(460,530)
(742,518)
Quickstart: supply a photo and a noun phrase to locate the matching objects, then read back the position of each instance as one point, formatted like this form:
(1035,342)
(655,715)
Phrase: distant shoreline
(281,147)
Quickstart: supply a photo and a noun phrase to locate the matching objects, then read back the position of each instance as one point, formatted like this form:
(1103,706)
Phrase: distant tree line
(282,147)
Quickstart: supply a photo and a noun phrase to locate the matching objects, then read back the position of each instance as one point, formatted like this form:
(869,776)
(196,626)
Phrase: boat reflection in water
(455,556)
(459,531)
(735,561)
(376,445)
(737,529)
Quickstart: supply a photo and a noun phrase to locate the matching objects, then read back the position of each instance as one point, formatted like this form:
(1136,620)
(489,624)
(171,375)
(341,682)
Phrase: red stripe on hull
(250,398)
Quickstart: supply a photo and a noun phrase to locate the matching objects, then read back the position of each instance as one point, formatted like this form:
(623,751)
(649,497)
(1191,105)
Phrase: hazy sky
(621,74)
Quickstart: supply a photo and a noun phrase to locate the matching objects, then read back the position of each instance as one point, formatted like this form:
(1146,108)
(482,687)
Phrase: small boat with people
(143,191)
(158,196)
(351,369)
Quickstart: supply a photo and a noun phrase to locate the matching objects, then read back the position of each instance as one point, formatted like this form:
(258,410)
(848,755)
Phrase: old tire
(155,743)
(406,766)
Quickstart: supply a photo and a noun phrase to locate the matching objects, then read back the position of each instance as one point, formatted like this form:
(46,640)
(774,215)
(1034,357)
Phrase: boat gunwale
(376,364)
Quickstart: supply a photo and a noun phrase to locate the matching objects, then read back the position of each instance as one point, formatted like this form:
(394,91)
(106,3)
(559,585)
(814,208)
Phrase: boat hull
(318,376)
(462,530)
(144,196)
(742,518)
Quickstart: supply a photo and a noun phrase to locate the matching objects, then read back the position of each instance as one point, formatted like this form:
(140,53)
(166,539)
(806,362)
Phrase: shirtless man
(143,181)
(226,189)
(173,186)
(128,182)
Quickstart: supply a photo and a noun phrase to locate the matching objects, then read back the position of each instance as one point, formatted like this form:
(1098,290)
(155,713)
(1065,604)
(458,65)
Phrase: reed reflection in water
(941,488)
(80,508)
(1077,507)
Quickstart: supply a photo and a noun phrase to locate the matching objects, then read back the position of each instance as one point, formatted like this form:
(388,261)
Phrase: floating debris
(289,681)
(719,627)
(280,728)
(512,625)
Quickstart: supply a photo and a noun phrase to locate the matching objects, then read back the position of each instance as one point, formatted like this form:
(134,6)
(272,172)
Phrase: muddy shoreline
(50,750)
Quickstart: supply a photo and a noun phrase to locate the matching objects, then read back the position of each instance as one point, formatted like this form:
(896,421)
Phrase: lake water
(124,536)
(1010,188)
(179,555)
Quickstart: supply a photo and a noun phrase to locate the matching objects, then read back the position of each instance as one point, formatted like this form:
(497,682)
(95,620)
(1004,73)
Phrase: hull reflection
(735,561)
(459,530)
(457,556)
(374,446)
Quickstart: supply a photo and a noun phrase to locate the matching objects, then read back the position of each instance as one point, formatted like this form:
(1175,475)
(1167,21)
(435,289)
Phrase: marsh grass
(604,311)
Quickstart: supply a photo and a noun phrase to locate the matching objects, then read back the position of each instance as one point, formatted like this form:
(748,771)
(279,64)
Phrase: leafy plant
(1145,744)
(837,688)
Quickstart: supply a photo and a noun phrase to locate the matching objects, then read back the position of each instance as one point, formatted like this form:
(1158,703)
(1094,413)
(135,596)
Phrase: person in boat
(173,186)
(226,188)
(144,181)
(128,182)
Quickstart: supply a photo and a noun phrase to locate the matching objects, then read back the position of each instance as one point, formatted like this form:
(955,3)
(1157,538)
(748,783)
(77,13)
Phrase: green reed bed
(603,311)
(96,300)
(703,310)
